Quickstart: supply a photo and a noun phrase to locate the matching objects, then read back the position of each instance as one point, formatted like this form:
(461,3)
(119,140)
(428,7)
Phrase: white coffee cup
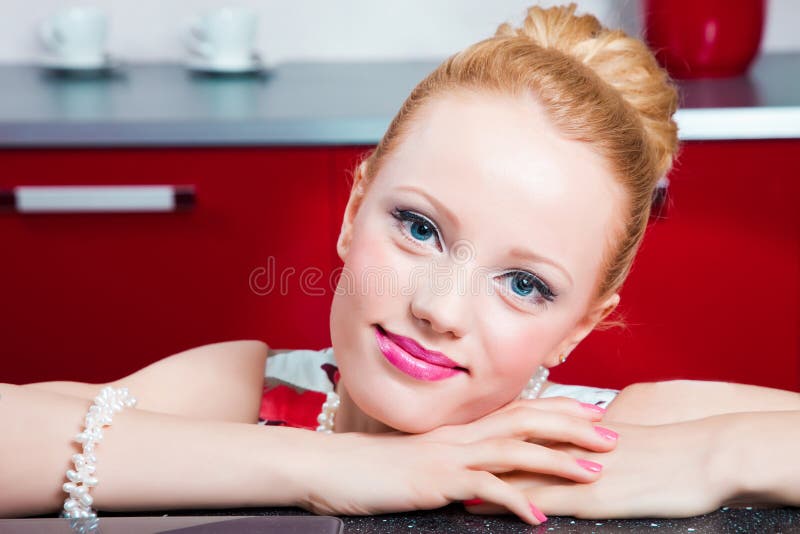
(224,36)
(76,35)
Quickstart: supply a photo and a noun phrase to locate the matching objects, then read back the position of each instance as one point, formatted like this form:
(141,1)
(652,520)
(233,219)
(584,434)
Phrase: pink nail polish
(538,514)
(606,433)
(593,408)
(472,502)
(594,467)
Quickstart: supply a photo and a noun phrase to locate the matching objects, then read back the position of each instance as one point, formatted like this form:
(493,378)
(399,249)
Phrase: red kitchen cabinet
(714,293)
(93,297)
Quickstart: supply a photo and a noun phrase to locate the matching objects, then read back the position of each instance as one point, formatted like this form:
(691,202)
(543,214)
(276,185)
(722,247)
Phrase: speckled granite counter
(317,104)
(453,519)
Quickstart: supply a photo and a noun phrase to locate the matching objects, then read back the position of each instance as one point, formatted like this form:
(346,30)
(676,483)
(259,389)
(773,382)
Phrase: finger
(504,455)
(563,405)
(574,500)
(557,500)
(531,424)
(491,489)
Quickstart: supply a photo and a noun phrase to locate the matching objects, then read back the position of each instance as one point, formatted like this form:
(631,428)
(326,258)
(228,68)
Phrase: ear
(350,211)
(583,328)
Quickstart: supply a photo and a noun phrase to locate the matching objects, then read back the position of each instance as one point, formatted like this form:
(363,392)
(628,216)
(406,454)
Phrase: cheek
(382,274)
(374,276)
(368,287)
(517,356)
(519,344)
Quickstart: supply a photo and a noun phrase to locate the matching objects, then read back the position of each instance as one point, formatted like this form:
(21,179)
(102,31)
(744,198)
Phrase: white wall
(330,30)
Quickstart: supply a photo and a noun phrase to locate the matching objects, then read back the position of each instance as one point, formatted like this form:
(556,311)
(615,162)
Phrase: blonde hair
(596,85)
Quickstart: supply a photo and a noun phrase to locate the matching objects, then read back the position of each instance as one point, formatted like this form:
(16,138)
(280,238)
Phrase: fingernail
(538,514)
(593,408)
(472,502)
(594,467)
(606,433)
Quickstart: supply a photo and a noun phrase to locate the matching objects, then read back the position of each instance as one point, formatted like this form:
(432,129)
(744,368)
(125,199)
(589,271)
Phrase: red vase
(704,38)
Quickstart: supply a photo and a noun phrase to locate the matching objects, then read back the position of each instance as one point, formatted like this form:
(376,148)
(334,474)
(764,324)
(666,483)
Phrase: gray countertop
(453,519)
(317,104)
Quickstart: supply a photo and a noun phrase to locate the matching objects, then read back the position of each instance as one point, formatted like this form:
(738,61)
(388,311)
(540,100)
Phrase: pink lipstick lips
(413,359)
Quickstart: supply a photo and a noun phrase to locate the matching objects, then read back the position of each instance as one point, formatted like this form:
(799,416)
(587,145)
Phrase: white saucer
(203,64)
(74,65)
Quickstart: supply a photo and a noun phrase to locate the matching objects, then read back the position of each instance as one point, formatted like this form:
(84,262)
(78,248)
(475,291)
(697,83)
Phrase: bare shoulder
(221,381)
(227,354)
(655,403)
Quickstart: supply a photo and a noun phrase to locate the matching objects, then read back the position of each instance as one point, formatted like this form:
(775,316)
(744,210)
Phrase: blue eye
(522,285)
(525,284)
(420,228)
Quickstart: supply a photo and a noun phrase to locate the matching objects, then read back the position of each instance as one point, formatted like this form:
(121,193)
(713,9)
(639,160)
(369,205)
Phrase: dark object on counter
(704,39)
(275,524)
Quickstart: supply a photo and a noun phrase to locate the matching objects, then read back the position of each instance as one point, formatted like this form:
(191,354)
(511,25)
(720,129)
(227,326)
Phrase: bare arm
(686,448)
(221,381)
(658,403)
(147,460)
(680,469)
(750,429)
(193,392)
(151,460)
(758,457)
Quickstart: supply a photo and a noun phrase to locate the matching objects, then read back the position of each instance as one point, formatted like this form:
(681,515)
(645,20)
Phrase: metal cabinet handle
(98,199)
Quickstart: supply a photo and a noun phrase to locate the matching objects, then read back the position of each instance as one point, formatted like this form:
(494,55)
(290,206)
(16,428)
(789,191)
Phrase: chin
(415,428)
(410,423)
(396,413)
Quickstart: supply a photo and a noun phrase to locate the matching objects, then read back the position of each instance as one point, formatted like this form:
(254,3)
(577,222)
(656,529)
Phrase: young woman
(507,200)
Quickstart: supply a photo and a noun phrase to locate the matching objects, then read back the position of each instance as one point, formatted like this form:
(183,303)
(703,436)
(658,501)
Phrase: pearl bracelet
(81,479)
(329,407)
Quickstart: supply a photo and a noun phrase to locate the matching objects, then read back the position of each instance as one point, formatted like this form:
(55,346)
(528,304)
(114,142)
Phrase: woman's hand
(655,471)
(358,474)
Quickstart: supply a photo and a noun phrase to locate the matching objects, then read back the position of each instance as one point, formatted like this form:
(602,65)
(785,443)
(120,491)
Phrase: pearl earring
(534,385)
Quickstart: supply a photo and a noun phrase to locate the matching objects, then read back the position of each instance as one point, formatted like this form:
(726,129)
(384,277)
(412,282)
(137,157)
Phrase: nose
(441,308)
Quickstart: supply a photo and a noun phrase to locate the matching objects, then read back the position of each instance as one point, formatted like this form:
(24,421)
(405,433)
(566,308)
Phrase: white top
(302,368)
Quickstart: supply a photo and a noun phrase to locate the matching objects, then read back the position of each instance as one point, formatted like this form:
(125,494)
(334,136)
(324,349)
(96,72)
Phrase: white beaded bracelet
(81,479)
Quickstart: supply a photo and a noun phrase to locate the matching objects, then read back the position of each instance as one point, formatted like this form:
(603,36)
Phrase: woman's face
(480,238)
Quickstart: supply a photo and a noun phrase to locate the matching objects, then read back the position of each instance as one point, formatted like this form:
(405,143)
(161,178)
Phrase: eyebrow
(435,202)
(519,253)
(523,254)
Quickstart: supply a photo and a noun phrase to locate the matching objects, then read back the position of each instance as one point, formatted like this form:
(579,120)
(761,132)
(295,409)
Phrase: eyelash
(543,294)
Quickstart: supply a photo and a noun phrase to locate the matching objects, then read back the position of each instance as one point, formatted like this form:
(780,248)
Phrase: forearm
(657,403)
(146,460)
(757,457)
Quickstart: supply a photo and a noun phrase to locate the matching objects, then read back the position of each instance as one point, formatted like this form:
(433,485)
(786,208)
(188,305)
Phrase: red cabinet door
(95,296)
(715,290)
(714,293)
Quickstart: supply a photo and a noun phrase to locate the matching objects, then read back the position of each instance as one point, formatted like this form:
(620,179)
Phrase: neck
(350,418)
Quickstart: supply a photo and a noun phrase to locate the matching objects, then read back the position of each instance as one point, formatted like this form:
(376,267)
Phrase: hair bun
(621,61)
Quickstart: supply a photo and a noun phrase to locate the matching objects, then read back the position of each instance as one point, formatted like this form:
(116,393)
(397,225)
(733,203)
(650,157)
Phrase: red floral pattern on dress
(284,404)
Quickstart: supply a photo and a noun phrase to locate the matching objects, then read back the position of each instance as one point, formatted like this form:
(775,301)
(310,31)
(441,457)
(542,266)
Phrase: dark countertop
(453,519)
(317,104)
